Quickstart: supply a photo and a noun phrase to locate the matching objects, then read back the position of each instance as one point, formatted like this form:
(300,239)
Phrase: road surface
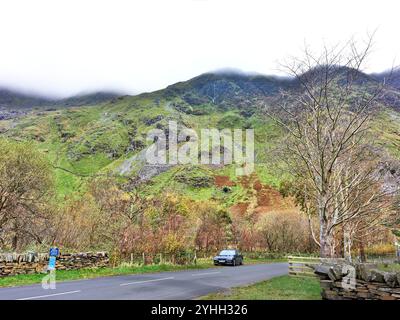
(188,284)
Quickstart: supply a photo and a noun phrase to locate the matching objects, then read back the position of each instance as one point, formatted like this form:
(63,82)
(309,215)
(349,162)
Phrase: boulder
(321,269)
(377,276)
(363,272)
(335,272)
(390,279)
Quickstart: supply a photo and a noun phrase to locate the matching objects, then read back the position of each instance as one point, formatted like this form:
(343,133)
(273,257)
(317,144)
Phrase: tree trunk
(324,240)
(363,258)
(347,243)
(14,243)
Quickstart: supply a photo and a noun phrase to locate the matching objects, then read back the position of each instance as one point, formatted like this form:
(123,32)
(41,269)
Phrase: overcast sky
(65,47)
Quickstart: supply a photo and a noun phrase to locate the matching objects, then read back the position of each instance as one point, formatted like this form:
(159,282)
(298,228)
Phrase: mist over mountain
(87,99)
(391,77)
(14,99)
(223,88)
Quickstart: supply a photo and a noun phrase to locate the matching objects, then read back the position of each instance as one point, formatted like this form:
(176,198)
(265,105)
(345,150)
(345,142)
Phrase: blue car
(228,257)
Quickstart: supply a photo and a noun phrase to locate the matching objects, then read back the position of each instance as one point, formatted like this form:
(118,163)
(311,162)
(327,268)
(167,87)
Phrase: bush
(383,249)
(285,231)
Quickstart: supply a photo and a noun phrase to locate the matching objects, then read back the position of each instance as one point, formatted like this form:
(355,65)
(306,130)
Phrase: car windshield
(227,253)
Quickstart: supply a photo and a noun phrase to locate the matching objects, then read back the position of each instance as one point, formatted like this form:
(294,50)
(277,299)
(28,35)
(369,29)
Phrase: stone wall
(368,282)
(28,263)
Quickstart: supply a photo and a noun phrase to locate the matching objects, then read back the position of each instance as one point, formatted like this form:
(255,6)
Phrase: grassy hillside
(108,138)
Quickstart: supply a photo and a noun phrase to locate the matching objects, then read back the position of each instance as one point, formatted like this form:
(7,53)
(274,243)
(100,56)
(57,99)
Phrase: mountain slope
(110,136)
(13,99)
(227,89)
(392,77)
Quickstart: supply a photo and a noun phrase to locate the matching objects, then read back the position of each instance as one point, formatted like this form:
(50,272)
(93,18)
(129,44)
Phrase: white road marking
(145,281)
(205,274)
(50,295)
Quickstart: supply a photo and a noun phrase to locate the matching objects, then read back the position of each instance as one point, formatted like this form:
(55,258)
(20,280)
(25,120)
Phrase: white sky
(68,46)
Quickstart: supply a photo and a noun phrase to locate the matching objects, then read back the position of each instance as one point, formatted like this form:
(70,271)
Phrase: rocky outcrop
(195,178)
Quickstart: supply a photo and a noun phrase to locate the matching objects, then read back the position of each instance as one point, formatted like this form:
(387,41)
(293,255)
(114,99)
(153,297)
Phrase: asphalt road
(185,285)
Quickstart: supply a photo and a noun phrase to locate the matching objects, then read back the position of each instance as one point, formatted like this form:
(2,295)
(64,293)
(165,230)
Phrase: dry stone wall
(368,282)
(31,262)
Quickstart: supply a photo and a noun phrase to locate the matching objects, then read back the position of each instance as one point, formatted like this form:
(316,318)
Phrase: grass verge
(279,288)
(389,267)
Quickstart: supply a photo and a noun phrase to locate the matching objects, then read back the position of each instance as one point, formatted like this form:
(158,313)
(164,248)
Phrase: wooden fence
(300,266)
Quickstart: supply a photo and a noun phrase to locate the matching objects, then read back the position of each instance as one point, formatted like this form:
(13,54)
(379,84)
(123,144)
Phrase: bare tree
(327,119)
(361,201)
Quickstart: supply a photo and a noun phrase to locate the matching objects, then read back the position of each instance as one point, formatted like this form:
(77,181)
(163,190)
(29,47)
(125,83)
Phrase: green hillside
(108,138)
